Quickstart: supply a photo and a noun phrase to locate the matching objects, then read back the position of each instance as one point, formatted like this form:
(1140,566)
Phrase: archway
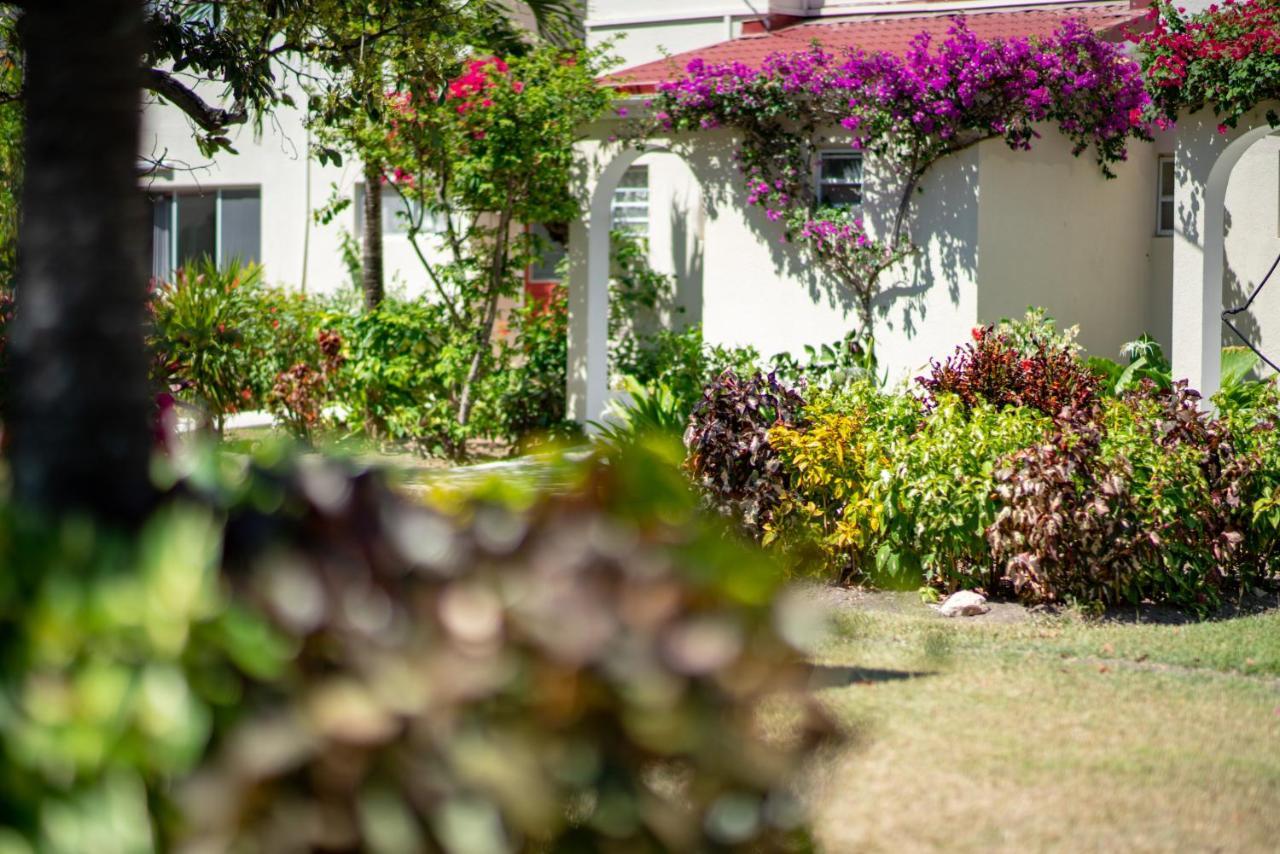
(588,346)
(1204,158)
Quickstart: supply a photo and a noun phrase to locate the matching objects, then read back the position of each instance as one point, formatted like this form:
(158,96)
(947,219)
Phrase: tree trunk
(81,434)
(372,270)
(489,316)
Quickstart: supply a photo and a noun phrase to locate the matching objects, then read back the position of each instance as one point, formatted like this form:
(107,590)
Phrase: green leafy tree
(360,50)
(481,155)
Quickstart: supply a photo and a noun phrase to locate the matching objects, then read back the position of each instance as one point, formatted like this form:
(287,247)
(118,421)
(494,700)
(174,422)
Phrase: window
(222,224)
(631,202)
(840,179)
(553,252)
(396,211)
(1164,201)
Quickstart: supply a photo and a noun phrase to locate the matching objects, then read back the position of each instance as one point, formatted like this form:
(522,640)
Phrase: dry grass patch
(1054,734)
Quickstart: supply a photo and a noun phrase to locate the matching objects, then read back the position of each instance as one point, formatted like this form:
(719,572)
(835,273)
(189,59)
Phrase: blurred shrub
(729,455)
(369,674)
(450,696)
(6,323)
(122,659)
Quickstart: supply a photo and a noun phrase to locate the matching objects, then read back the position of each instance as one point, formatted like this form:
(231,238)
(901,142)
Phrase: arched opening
(588,373)
(1204,161)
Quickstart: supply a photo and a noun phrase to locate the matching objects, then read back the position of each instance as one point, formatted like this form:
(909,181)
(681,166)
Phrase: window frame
(819,183)
(171,194)
(1162,197)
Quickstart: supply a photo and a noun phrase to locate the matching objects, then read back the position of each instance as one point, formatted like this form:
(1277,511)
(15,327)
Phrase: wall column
(588,372)
(1203,162)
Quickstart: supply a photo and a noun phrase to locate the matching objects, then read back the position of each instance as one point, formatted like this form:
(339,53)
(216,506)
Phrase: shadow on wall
(942,226)
(1235,292)
(687,252)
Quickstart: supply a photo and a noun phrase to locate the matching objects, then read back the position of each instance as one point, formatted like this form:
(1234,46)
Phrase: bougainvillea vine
(908,112)
(1226,58)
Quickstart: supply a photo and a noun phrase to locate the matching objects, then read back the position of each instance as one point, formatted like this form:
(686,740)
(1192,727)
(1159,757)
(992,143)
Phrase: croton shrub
(1011,468)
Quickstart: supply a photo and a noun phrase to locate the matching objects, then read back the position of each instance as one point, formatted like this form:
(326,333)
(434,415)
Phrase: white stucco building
(998,230)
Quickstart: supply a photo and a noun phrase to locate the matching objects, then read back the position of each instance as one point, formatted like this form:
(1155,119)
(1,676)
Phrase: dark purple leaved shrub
(730,458)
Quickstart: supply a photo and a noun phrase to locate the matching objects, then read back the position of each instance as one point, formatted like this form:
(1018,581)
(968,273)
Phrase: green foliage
(10,151)
(1111,501)
(334,667)
(403,363)
(206,328)
(532,399)
(1035,329)
(939,498)
(121,659)
(680,362)
(830,366)
(648,413)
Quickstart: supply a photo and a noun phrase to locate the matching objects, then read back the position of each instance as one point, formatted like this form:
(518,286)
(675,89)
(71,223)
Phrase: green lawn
(1051,734)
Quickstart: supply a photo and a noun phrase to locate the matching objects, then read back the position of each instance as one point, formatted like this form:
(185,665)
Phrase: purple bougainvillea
(908,111)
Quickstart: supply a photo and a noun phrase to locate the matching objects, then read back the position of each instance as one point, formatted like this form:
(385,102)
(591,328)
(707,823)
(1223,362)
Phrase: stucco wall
(638,43)
(1054,232)
(677,232)
(760,291)
(276,161)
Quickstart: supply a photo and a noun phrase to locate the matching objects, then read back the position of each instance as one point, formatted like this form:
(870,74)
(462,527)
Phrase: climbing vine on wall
(908,112)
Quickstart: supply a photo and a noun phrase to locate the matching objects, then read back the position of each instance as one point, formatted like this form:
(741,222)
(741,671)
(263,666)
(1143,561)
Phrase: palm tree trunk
(372,269)
(81,437)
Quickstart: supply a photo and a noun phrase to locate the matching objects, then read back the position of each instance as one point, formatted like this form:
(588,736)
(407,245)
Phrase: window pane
(197,227)
(553,253)
(631,201)
(161,237)
(842,168)
(1166,176)
(241,226)
(1166,217)
(635,176)
(840,195)
(395,212)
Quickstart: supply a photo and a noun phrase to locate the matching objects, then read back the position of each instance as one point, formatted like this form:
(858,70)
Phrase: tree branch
(209,118)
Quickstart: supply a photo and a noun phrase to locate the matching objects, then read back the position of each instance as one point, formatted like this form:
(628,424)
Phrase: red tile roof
(887,33)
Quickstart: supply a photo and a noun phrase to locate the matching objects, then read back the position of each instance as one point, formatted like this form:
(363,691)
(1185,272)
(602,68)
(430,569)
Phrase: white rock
(965,603)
